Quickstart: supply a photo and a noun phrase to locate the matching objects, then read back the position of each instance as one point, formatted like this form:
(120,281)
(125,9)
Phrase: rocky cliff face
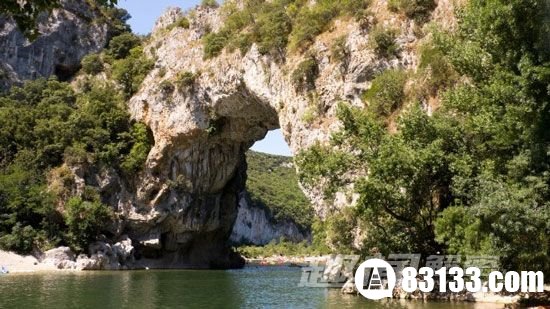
(255,226)
(68,34)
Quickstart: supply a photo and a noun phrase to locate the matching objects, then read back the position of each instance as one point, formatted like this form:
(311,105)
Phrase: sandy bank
(16,263)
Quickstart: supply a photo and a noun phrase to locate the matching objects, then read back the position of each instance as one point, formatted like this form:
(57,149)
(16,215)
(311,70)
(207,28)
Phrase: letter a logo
(370,284)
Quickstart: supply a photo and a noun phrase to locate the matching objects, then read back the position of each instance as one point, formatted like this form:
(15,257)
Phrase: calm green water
(254,287)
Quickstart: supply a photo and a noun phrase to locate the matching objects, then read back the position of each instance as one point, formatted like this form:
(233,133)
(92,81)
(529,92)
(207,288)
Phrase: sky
(145,13)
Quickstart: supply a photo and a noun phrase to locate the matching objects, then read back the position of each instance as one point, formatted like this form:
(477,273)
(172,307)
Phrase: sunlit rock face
(256,226)
(67,35)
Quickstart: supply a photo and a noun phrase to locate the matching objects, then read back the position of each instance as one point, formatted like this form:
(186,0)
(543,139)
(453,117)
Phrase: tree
(120,46)
(85,221)
(473,178)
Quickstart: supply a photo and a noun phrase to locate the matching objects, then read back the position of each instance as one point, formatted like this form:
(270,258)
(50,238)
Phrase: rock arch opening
(266,209)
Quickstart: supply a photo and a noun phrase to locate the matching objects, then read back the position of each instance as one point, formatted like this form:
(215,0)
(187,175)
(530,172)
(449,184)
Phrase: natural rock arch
(187,199)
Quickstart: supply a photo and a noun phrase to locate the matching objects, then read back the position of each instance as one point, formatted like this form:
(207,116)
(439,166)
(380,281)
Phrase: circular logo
(370,277)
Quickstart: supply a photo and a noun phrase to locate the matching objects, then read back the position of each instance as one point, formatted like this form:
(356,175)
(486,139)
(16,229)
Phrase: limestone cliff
(67,35)
(255,226)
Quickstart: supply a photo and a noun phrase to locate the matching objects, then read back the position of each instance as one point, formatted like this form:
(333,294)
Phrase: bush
(271,31)
(387,92)
(311,22)
(440,71)
(131,71)
(85,221)
(166,87)
(185,80)
(214,44)
(142,141)
(418,10)
(92,64)
(120,46)
(21,239)
(210,4)
(384,42)
(182,22)
(305,74)
(339,51)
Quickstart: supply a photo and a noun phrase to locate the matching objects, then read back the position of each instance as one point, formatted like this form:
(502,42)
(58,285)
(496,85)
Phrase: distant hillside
(272,182)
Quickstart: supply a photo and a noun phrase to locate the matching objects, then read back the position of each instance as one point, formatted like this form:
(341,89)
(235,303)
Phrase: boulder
(61,258)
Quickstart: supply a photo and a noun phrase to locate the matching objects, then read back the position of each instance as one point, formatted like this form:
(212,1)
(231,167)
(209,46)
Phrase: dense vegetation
(44,124)
(49,127)
(272,183)
(474,177)
(274,25)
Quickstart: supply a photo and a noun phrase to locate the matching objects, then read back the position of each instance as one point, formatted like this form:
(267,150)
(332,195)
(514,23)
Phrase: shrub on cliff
(132,70)
(182,22)
(310,22)
(185,80)
(120,46)
(209,4)
(384,42)
(271,31)
(92,64)
(214,44)
(415,9)
(386,93)
(275,24)
(305,74)
(141,140)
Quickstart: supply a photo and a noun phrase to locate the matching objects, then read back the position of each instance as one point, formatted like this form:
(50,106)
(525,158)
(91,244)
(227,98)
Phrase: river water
(252,287)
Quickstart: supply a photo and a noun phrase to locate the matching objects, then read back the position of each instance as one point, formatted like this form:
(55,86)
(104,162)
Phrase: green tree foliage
(387,92)
(92,64)
(384,42)
(435,65)
(132,70)
(120,46)
(473,178)
(85,221)
(305,74)
(45,123)
(272,183)
(416,9)
(274,25)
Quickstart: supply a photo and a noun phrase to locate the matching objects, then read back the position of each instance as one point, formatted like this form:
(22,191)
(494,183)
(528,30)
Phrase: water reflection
(262,287)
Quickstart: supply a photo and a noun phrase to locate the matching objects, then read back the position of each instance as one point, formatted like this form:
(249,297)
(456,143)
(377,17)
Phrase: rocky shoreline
(335,266)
